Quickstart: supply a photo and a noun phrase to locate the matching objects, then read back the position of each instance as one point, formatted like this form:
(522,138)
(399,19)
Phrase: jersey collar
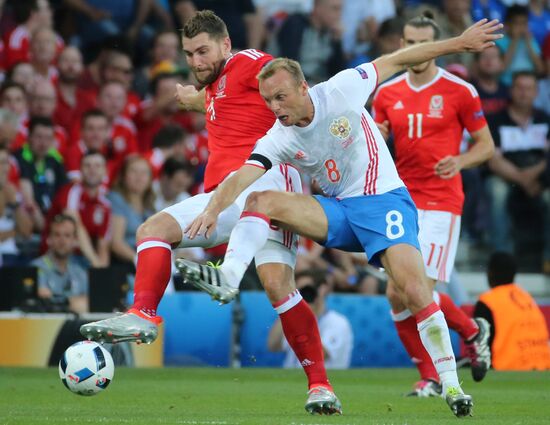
(425,86)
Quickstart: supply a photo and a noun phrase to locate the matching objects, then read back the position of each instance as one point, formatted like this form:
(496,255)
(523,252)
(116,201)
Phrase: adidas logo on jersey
(307,362)
(299,155)
(398,105)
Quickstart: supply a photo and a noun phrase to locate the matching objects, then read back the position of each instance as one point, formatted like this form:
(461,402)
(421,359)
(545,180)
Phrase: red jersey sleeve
(470,111)
(378,107)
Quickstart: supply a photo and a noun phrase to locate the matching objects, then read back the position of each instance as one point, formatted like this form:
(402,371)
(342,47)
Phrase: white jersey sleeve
(269,151)
(356,84)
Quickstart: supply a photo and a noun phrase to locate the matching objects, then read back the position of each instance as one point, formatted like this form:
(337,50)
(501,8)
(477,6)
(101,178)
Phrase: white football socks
(248,237)
(435,337)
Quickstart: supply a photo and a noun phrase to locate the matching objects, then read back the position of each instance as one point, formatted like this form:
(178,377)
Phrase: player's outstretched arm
(190,99)
(476,38)
(225,195)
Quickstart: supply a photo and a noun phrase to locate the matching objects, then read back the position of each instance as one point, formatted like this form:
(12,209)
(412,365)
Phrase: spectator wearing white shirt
(335,329)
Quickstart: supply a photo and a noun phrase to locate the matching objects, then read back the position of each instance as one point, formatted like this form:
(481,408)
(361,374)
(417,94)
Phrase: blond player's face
(413,36)
(206,56)
(286,99)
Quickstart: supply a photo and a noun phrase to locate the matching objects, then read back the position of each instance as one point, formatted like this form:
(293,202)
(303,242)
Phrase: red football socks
(456,318)
(302,333)
(153,270)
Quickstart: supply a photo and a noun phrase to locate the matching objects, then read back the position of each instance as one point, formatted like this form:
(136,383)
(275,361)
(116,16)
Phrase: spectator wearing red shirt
(22,73)
(43,52)
(162,109)
(29,15)
(72,100)
(168,143)
(42,103)
(87,203)
(94,137)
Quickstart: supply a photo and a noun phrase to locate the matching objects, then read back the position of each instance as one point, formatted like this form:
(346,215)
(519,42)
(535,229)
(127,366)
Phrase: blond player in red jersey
(427,110)
(236,117)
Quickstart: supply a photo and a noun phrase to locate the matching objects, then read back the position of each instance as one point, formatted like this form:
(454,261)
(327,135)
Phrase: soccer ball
(86,368)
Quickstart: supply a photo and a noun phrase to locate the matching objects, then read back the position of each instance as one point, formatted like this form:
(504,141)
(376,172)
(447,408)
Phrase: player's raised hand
(481,35)
(186,96)
(204,224)
(448,167)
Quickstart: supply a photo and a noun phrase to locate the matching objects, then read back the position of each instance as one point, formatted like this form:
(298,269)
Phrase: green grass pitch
(212,396)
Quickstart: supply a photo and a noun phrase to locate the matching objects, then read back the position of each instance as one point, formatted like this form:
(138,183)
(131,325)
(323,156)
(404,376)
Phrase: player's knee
(259,202)
(157,227)
(393,295)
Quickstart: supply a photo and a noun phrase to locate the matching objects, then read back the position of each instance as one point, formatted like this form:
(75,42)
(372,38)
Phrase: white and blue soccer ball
(86,368)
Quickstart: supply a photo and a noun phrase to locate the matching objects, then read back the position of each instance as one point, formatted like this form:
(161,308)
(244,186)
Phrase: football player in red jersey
(236,117)
(427,110)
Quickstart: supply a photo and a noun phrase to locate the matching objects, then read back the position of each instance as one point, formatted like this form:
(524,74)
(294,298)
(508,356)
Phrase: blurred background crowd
(93,142)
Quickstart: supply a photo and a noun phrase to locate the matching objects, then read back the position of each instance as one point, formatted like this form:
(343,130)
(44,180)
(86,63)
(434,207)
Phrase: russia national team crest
(436,106)
(340,128)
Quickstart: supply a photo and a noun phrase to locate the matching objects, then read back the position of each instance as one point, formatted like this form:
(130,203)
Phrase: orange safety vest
(521,336)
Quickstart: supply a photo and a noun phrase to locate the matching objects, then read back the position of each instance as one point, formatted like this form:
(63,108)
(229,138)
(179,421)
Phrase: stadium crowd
(90,127)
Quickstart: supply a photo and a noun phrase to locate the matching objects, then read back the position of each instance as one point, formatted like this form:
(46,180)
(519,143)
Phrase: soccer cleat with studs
(426,388)
(208,278)
(132,326)
(479,350)
(322,401)
(461,404)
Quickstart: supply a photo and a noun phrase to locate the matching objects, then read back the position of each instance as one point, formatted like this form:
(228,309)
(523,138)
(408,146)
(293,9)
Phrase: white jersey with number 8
(341,148)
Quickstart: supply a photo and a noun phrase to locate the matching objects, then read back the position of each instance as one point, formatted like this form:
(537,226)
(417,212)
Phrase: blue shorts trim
(372,223)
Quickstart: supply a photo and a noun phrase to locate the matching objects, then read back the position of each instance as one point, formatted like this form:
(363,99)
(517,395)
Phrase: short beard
(214,75)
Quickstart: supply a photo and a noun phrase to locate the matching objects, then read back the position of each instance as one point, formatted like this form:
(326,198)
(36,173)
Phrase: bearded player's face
(206,56)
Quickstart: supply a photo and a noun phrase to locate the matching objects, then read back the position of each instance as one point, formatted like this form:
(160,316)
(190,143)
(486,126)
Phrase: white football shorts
(438,236)
(281,246)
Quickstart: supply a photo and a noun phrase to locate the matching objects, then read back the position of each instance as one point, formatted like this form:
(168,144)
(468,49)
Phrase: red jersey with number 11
(428,123)
(236,115)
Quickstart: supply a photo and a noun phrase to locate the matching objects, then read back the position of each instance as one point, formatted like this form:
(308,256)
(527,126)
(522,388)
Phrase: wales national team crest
(436,106)
(340,128)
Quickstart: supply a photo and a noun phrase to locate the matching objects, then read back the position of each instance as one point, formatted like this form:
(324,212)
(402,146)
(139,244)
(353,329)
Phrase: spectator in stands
(520,50)
(165,54)
(388,40)
(543,98)
(72,101)
(521,135)
(42,103)
(335,329)
(168,142)
(22,73)
(488,67)
(62,282)
(161,110)
(362,21)
(455,20)
(519,334)
(29,15)
(86,202)
(112,101)
(117,67)
(174,184)
(132,200)
(94,135)
(314,40)
(539,20)
(8,127)
(43,52)
(14,98)
(14,220)
(41,167)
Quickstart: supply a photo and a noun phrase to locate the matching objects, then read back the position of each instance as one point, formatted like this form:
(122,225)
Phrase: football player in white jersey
(327,133)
